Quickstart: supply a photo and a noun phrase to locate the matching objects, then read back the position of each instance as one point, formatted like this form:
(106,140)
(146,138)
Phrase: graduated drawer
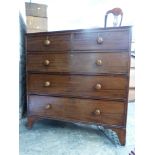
(101,40)
(79,62)
(47,42)
(78,86)
(84,110)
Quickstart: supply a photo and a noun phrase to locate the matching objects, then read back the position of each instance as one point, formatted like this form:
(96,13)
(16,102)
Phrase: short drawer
(101,40)
(57,42)
(84,63)
(78,86)
(84,110)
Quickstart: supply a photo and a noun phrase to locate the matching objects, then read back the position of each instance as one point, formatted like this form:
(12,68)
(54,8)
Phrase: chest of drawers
(79,76)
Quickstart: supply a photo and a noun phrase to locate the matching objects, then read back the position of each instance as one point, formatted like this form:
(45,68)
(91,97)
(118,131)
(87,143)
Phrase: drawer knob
(46,62)
(99,62)
(48,106)
(47,84)
(97,112)
(47,42)
(99,40)
(98,86)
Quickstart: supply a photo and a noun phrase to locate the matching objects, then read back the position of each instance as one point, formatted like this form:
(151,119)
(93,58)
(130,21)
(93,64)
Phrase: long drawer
(84,110)
(93,39)
(80,86)
(79,62)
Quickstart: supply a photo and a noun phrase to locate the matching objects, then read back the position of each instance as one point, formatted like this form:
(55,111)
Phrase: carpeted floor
(61,138)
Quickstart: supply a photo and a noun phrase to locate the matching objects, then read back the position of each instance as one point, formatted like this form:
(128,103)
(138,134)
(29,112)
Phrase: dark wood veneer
(111,87)
(79,76)
(113,39)
(79,62)
(77,109)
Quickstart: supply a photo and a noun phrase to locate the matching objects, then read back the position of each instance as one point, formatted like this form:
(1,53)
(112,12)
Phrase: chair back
(116,12)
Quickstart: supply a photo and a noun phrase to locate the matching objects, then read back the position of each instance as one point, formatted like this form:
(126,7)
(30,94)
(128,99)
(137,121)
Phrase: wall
(9,79)
(75,14)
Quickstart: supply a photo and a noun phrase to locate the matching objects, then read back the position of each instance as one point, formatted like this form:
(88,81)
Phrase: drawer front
(79,62)
(84,110)
(79,86)
(107,40)
(48,42)
(114,39)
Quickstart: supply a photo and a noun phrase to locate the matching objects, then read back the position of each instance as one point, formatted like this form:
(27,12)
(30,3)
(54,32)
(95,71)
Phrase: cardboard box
(36,23)
(36,10)
(35,30)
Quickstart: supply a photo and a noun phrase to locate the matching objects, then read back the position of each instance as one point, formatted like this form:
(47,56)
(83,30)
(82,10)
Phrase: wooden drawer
(85,63)
(84,110)
(59,42)
(78,86)
(92,39)
(101,40)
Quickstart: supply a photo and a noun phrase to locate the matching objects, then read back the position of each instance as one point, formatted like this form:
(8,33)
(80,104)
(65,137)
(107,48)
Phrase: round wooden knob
(48,106)
(98,86)
(99,40)
(97,112)
(47,84)
(46,62)
(47,42)
(99,62)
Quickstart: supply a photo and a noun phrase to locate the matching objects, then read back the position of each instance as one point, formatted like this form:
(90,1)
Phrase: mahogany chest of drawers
(79,76)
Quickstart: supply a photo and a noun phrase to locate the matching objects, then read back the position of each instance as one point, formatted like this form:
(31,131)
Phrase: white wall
(75,14)
(9,77)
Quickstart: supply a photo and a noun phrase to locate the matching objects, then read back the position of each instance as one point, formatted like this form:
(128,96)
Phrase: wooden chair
(116,12)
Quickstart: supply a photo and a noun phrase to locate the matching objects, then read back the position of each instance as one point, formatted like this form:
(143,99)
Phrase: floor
(61,138)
